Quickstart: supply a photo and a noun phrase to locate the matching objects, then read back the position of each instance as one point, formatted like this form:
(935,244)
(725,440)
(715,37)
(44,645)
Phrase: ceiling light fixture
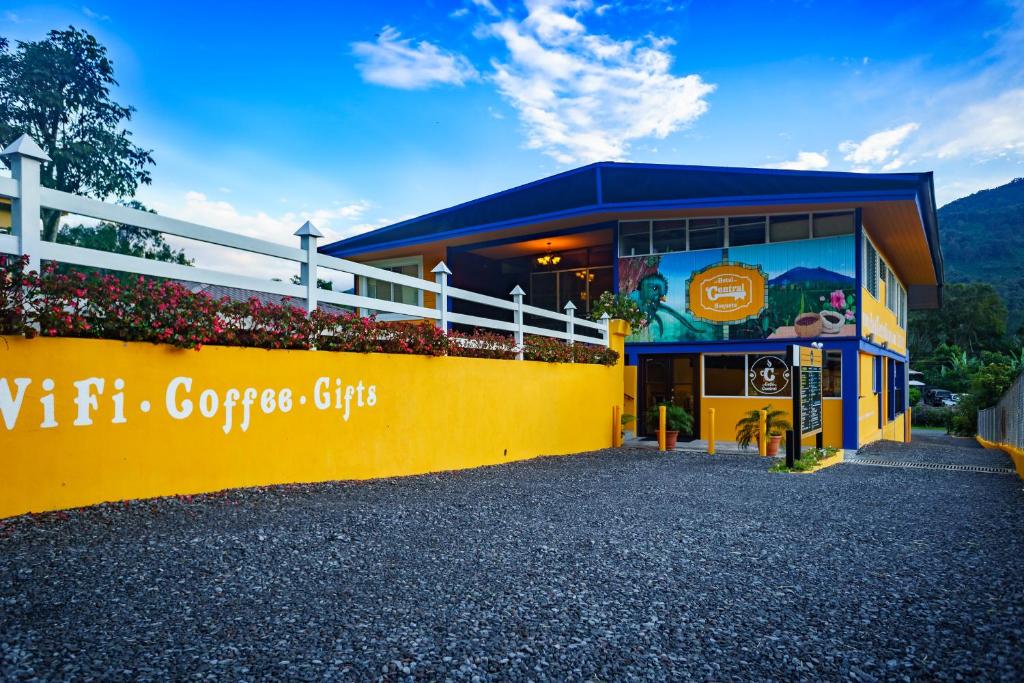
(549,259)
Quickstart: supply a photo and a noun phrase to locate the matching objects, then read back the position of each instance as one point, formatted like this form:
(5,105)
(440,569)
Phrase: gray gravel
(602,566)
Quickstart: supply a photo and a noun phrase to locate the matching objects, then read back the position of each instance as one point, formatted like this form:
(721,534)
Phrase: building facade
(729,267)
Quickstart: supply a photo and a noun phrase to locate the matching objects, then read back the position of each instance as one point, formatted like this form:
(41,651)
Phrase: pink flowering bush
(93,305)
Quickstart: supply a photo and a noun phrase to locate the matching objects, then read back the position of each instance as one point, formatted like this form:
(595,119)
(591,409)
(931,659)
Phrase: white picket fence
(28,198)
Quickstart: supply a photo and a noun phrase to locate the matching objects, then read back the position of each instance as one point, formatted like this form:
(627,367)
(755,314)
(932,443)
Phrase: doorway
(669,377)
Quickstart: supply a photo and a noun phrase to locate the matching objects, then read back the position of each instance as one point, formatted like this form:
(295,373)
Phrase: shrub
(69,303)
(931,416)
(618,306)
(677,419)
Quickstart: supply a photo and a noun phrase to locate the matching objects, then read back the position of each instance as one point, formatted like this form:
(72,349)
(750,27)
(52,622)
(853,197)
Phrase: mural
(807,288)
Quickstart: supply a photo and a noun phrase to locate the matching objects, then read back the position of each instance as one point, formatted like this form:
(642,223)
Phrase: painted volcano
(801,275)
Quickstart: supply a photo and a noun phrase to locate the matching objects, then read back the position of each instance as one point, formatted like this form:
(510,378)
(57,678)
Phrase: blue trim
(858,231)
(744,345)
(338,248)
(851,397)
(600,189)
(755,171)
(876,350)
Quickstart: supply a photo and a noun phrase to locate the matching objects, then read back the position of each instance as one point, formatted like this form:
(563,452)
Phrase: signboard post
(807,362)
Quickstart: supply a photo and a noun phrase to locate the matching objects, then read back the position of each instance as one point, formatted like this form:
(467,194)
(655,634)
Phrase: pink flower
(838,299)
(849,315)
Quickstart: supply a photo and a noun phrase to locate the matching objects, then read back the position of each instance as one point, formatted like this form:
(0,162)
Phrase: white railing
(1003,423)
(28,198)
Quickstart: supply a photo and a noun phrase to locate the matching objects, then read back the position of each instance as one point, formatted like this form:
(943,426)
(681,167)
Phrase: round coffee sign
(769,375)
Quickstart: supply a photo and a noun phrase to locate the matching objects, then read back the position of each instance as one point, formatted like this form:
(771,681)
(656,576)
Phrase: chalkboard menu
(807,393)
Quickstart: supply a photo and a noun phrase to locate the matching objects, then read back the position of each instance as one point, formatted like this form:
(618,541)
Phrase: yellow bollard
(908,425)
(711,431)
(661,429)
(616,426)
(762,441)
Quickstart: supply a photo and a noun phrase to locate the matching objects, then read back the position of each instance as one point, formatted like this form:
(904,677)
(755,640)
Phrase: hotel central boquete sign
(727,293)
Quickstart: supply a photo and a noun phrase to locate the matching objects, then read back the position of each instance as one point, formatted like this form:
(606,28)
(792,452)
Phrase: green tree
(57,90)
(973,317)
(123,239)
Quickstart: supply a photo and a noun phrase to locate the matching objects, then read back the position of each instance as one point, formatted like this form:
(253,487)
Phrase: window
(870,268)
(388,291)
(669,236)
(634,238)
(746,230)
(832,224)
(707,233)
(832,374)
(725,374)
(788,228)
(898,390)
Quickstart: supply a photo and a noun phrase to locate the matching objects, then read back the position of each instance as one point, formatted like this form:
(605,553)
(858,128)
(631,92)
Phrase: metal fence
(1003,423)
(28,197)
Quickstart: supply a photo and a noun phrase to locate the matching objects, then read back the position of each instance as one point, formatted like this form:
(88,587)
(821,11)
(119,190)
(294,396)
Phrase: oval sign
(727,293)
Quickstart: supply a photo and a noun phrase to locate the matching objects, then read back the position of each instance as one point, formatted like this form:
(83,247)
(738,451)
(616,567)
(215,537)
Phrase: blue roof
(608,186)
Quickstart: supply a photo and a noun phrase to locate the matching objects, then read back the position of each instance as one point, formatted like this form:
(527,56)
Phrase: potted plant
(749,429)
(676,420)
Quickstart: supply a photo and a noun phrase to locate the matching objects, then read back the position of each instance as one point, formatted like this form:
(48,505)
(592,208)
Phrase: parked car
(939,398)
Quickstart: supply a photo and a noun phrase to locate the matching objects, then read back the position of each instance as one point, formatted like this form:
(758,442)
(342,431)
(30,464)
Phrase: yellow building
(730,267)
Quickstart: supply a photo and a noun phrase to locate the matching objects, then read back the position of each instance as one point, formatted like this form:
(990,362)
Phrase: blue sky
(358,114)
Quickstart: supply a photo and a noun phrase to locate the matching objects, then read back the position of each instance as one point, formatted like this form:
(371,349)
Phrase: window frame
(726,227)
(392,263)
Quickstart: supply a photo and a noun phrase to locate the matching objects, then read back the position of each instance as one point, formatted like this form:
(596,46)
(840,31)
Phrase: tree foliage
(57,91)
(972,317)
(124,239)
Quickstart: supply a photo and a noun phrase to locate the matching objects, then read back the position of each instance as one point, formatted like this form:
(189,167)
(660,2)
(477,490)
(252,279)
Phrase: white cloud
(487,6)
(461,12)
(398,63)
(335,223)
(986,129)
(881,149)
(95,15)
(805,161)
(585,97)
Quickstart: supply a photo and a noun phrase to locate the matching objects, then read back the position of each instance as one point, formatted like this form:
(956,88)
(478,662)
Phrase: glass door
(669,378)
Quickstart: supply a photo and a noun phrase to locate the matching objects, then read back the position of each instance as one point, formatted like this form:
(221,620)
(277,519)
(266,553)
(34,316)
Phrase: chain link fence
(1004,422)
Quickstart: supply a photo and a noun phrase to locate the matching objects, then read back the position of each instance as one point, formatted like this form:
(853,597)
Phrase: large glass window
(669,236)
(724,374)
(745,230)
(832,224)
(634,238)
(707,233)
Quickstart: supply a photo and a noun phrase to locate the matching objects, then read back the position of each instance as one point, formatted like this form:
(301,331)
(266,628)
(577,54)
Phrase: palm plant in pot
(676,420)
(748,429)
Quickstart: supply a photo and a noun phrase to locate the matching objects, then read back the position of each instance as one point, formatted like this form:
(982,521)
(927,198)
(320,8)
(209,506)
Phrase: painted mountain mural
(809,291)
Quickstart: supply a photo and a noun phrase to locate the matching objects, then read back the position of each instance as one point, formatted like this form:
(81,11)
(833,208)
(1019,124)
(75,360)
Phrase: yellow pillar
(762,442)
(616,426)
(661,428)
(711,431)
(907,425)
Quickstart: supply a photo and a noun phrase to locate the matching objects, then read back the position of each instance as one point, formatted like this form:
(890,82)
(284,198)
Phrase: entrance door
(673,378)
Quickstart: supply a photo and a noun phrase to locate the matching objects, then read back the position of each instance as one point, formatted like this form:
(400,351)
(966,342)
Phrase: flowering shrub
(76,304)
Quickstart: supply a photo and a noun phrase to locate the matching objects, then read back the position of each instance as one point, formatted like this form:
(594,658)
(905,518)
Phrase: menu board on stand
(807,418)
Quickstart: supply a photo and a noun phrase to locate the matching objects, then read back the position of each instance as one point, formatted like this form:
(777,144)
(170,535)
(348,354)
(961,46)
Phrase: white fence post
(308,235)
(441,273)
(26,223)
(517,298)
(606,333)
(570,323)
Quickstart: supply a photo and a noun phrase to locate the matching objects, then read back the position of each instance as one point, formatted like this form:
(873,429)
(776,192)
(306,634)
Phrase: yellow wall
(430,414)
(894,430)
(728,412)
(878,320)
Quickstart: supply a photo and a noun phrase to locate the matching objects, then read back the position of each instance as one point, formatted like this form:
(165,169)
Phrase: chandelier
(549,259)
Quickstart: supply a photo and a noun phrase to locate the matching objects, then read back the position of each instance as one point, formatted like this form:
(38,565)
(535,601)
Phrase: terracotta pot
(807,325)
(670,439)
(772,449)
(832,322)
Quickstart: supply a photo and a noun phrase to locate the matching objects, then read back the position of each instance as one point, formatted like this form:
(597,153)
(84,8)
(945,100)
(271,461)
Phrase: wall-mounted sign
(727,293)
(769,375)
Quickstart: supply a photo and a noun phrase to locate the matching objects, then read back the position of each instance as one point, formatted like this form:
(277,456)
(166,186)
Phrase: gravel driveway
(601,566)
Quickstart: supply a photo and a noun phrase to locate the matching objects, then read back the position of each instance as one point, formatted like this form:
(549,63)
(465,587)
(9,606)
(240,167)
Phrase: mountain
(801,275)
(982,239)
